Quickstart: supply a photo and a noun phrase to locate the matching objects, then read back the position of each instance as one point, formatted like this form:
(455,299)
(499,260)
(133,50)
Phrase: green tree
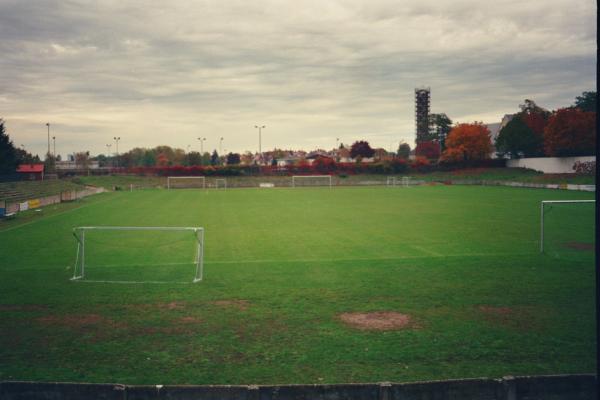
(214,158)
(404,151)
(233,159)
(441,126)
(24,157)
(517,140)
(206,158)
(8,153)
(194,158)
(50,163)
(587,101)
(149,158)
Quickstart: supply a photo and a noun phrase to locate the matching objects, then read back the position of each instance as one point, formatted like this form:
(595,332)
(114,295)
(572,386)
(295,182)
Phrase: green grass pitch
(281,268)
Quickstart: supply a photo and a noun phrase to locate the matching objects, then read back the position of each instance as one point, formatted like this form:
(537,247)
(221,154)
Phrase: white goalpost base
(185,182)
(300,178)
(79,270)
(545,203)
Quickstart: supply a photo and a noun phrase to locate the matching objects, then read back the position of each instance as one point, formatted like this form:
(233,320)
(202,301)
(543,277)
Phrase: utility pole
(54,147)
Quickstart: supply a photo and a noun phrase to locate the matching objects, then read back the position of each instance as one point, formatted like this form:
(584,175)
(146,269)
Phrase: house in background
(495,129)
(34,172)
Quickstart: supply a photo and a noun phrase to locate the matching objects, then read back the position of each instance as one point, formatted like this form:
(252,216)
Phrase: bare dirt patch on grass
(580,246)
(378,320)
(94,325)
(241,305)
(173,305)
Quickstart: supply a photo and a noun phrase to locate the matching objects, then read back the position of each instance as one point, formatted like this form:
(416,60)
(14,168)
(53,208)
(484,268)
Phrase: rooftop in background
(28,168)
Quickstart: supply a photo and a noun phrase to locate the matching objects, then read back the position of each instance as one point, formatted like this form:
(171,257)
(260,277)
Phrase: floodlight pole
(54,146)
(260,128)
(220,145)
(117,142)
(202,145)
(48,125)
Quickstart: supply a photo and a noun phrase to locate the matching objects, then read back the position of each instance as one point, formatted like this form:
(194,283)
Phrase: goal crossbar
(79,234)
(294,177)
(548,202)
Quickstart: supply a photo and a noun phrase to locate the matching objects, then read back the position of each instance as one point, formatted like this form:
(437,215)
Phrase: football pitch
(303,285)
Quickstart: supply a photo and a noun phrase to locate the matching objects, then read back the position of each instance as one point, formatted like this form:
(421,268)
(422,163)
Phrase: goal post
(311,180)
(186,182)
(138,249)
(220,183)
(571,225)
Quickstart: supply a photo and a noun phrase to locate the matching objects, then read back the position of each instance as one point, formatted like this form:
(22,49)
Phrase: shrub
(586,167)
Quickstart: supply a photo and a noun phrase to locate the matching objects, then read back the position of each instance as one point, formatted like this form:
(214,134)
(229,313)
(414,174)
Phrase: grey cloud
(311,70)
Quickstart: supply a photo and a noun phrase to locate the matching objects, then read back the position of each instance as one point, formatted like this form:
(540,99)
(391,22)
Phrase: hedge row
(319,166)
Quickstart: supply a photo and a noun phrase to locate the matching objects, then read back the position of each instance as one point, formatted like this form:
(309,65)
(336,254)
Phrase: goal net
(221,183)
(311,180)
(403,181)
(567,227)
(186,182)
(122,254)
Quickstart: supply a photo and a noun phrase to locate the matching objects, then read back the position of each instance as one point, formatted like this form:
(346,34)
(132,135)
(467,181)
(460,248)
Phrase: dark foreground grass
(280,268)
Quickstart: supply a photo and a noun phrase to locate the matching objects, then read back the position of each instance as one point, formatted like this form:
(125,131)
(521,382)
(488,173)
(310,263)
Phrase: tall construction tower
(422,96)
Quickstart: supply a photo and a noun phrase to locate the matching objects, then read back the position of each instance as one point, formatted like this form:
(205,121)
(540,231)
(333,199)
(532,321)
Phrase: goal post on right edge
(186,182)
(315,179)
(577,218)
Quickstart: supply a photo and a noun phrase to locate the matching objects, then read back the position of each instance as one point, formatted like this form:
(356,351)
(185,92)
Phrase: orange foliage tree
(468,142)
(570,132)
(429,149)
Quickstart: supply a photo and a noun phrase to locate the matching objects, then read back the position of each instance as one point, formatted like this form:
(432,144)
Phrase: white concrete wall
(549,165)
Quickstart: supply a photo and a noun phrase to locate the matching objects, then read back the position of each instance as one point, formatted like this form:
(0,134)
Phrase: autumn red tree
(324,164)
(162,160)
(429,149)
(468,142)
(536,122)
(570,132)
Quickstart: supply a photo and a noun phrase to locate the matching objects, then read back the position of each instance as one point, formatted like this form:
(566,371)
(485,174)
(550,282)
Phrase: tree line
(531,132)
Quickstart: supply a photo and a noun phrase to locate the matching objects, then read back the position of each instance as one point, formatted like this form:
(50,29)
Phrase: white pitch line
(313,260)
(133,282)
(426,250)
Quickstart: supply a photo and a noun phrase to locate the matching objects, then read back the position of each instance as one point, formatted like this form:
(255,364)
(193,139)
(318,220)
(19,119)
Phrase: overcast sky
(168,72)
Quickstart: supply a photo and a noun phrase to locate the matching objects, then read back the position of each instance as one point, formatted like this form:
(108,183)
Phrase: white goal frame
(79,234)
(543,204)
(294,177)
(395,181)
(186,177)
(220,180)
